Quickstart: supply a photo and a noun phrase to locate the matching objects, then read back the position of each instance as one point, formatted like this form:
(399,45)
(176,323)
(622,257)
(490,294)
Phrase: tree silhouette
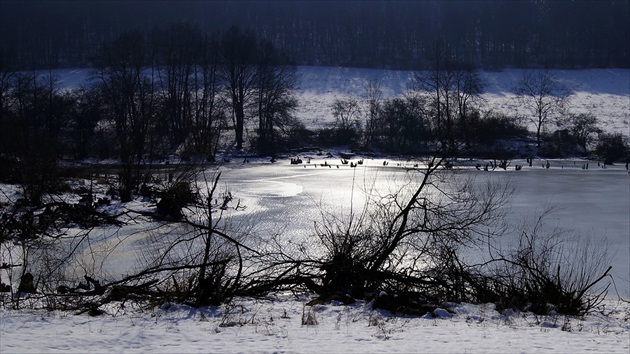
(130,98)
(239,56)
(542,93)
(274,95)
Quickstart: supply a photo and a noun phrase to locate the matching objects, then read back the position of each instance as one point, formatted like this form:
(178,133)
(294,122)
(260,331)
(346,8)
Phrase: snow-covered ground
(276,326)
(287,198)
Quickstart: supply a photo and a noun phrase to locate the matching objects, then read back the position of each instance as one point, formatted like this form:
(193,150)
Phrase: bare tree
(86,114)
(238,70)
(468,88)
(402,125)
(583,126)
(275,102)
(346,112)
(396,241)
(36,111)
(177,53)
(373,94)
(187,63)
(452,87)
(208,109)
(437,83)
(542,93)
(130,98)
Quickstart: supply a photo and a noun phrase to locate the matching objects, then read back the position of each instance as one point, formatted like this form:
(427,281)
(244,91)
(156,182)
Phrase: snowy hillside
(602,92)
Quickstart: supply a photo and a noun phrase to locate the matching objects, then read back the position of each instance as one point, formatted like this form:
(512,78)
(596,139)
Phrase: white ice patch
(269,189)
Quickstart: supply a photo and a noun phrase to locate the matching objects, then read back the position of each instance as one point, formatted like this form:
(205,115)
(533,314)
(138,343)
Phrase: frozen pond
(288,199)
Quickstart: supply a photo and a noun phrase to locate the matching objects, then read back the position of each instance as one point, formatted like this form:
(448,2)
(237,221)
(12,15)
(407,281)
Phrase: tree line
(444,107)
(152,94)
(383,34)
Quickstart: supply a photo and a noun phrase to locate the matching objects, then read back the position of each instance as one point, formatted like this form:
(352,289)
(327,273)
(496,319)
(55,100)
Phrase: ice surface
(591,203)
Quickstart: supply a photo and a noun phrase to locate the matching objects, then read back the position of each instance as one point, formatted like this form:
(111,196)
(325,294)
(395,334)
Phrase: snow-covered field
(287,198)
(602,92)
(275,326)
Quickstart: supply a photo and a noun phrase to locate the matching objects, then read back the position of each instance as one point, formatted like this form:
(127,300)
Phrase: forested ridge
(383,34)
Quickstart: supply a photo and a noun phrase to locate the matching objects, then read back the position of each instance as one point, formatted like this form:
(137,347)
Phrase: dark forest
(380,34)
